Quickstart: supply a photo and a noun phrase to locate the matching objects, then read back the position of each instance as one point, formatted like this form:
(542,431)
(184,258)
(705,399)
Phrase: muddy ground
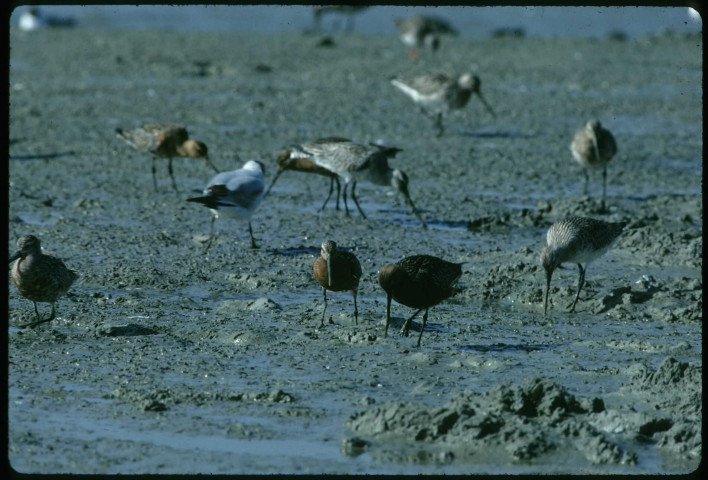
(165,359)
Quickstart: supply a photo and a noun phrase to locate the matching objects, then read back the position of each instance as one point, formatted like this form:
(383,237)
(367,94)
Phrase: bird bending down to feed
(358,162)
(422,31)
(437,94)
(234,194)
(593,147)
(337,270)
(287,160)
(577,240)
(39,277)
(165,141)
(420,282)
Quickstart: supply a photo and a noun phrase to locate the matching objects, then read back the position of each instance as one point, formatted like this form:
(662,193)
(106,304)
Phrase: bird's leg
(356,201)
(346,207)
(581,281)
(338,191)
(407,326)
(154,177)
(439,124)
(604,183)
(331,189)
(36,310)
(356,311)
(587,180)
(253,241)
(39,320)
(211,232)
(324,294)
(388,314)
(169,169)
(425,320)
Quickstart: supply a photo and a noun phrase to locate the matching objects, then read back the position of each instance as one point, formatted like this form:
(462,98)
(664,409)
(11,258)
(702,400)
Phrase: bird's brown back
(42,279)
(420,281)
(346,271)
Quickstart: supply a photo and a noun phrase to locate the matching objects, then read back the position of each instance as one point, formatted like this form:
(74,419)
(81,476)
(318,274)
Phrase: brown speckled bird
(578,240)
(289,160)
(39,277)
(419,281)
(593,147)
(337,270)
(165,141)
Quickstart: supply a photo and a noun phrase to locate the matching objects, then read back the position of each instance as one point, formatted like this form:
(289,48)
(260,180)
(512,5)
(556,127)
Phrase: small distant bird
(419,281)
(39,277)
(578,240)
(355,161)
(337,270)
(34,19)
(287,160)
(234,194)
(593,147)
(165,141)
(437,94)
(349,11)
(422,31)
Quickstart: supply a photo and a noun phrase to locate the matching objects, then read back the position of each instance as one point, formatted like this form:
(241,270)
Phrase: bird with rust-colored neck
(289,160)
(39,277)
(420,282)
(165,141)
(577,240)
(337,270)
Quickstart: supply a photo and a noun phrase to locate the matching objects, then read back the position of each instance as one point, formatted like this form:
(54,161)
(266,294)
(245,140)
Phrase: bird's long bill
(488,107)
(328,258)
(206,159)
(388,313)
(415,210)
(548,287)
(15,257)
(277,174)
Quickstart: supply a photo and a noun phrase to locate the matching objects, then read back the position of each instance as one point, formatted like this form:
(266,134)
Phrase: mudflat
(165,358)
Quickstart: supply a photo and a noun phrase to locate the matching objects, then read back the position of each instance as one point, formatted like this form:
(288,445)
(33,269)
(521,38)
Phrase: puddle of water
(505,347)
(52,219)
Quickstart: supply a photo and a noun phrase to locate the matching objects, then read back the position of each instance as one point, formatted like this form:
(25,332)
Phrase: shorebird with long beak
(165,141)
(39,277)
(593,147)
(358,162)
(422,31)
(420,282)
(437,94)
(289,160)
(234,194)
(577,240)
(337,270)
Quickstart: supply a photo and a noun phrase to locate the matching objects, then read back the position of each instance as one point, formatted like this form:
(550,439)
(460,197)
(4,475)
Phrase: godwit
(578,240)
(234,194)
(337,270)
(419,281)
(593,147)
(166,141)
(422,31)
(354,162)
(288,160)
(437,93)
(39,277)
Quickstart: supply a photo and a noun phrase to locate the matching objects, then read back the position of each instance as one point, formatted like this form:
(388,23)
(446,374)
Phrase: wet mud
(167,359)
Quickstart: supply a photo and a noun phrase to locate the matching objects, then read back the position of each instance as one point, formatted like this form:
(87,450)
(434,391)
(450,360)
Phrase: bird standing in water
(39,277)
(234,194)
(578,240)
(420,282)
(337,270)
(165,141)
(593,147)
